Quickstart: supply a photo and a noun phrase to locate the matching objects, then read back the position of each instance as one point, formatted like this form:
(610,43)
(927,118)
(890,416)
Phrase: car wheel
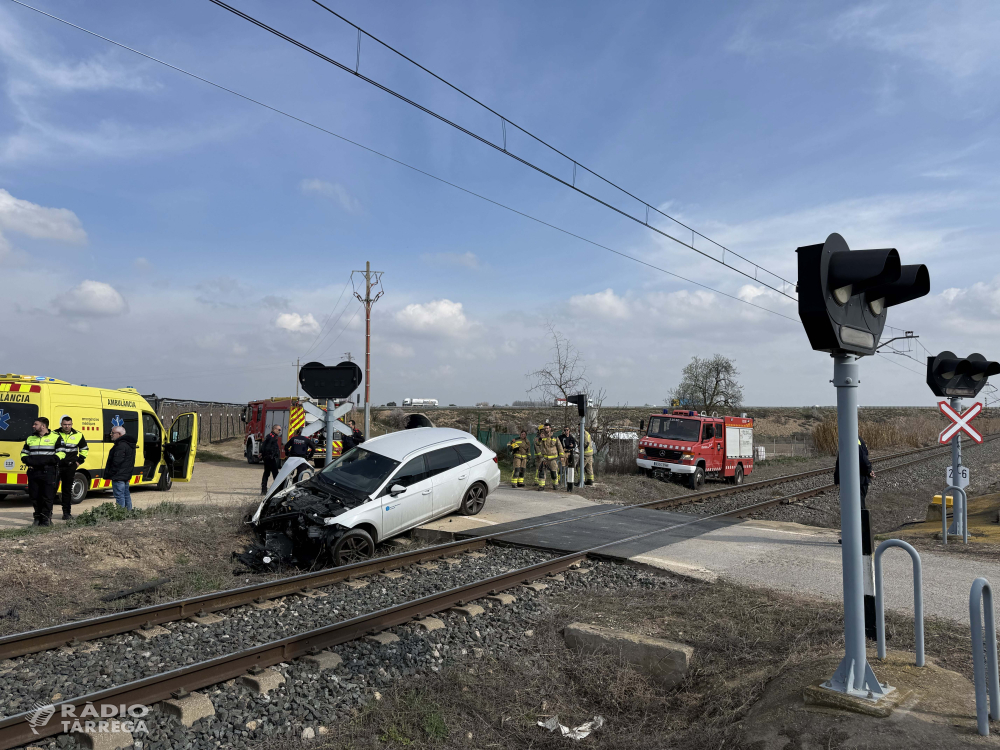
(474,500)
(698,479)
(166,480)
(79,490)
(738,476)
(354,546)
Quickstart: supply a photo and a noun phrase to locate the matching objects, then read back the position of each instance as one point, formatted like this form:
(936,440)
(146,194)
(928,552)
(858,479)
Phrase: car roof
(398,445)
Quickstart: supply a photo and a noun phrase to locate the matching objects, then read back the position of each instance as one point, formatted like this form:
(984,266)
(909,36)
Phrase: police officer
(300,447)
(550,453)
(520,449)
(75,447)
(865,466)
(270,452)
(569,449)
(42,453)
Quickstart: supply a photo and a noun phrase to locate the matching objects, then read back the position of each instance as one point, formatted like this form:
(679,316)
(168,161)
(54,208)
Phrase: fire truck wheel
(738,475)
(248,452)
(698,479)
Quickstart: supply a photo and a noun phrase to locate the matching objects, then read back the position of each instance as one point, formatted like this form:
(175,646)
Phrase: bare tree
(709,383)
(564,375)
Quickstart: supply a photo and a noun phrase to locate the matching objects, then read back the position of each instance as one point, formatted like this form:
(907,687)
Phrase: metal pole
(854,676)
(958,512)
(583,435)
(987,684)
(918,598)
(329,432)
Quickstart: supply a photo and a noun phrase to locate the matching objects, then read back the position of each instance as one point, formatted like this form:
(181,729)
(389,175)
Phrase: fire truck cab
(685,444)
(260,416)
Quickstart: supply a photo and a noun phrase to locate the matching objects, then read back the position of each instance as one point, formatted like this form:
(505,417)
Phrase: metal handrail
(918,598)
(981,598)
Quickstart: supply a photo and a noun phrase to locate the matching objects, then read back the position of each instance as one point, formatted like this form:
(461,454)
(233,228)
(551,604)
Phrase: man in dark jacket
(300,447)
(270,452)
(866,470)
(121,466)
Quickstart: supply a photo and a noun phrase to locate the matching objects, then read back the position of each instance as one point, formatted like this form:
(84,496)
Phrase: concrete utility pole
(373,280)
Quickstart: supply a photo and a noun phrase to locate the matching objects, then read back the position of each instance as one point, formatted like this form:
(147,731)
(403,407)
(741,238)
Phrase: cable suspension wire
(772,281)
(346,326)
(425,173)
(328,318)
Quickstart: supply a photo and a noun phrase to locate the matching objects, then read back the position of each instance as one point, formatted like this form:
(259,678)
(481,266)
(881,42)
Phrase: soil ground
(748,644)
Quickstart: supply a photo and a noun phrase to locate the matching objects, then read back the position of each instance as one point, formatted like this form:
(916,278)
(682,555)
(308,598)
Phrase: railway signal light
(952,376)
(844,294)
(581,403)
(320,381)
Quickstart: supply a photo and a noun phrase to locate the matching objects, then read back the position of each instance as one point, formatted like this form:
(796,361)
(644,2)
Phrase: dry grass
(901,431)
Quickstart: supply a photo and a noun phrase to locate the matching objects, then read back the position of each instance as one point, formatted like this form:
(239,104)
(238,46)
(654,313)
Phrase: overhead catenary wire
(401,163)
(503,148)
(328,318)
(346,326)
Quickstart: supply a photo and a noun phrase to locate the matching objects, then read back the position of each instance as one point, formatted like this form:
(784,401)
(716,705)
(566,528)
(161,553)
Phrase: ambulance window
(16,421)
(150,428)
(121,418)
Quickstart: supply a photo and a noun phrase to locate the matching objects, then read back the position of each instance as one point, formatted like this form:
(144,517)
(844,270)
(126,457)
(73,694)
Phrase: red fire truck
(684,443)
(259,416)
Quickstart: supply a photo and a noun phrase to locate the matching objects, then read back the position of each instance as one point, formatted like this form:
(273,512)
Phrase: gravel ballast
(309,699)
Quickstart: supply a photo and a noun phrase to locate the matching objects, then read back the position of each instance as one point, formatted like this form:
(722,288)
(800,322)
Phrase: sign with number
(963,477)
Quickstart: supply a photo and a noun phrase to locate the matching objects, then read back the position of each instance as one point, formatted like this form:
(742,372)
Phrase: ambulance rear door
(182,446)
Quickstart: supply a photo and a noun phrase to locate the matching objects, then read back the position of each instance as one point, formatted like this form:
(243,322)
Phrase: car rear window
(468,451)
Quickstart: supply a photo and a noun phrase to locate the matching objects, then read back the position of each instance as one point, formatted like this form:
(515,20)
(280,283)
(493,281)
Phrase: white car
(381,488)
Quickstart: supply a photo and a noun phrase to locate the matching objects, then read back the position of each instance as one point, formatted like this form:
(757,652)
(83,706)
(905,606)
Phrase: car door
(182,447)
(412,507)
(712,445)
(451,476)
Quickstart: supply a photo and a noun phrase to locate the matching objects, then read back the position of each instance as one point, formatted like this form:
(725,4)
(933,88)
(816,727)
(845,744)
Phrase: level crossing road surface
(785,557)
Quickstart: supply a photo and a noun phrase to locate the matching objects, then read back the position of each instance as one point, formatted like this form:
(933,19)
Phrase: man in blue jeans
(121,466)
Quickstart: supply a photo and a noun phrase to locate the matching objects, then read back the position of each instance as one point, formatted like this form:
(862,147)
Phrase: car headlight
(686,456)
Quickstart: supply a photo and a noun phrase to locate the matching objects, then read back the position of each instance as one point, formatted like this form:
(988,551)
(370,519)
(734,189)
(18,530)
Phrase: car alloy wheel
(474,500)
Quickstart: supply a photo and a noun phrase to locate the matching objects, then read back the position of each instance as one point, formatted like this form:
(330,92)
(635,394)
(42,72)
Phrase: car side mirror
(397,489)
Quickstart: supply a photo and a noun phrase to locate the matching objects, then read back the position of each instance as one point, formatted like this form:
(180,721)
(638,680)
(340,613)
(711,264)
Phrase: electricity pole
(297,364)
(373,280)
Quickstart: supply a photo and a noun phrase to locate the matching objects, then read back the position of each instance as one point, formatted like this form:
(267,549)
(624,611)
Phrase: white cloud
(440,317)
(399,351)
(142,264)
(335,192)
(18,215)
(92,299)
(604,304)
(464,260)
(297,323)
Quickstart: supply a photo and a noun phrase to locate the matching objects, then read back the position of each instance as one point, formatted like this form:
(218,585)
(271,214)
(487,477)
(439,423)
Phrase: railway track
(17,730)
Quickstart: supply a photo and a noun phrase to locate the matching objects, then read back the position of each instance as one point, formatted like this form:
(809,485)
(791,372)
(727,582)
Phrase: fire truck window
(260,411)
(674,428)
(709,432)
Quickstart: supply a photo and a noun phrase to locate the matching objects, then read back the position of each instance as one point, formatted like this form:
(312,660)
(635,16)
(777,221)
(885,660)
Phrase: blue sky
(157,232)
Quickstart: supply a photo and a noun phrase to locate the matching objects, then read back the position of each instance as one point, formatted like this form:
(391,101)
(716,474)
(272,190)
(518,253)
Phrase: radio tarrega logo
(4,420)
(41,714)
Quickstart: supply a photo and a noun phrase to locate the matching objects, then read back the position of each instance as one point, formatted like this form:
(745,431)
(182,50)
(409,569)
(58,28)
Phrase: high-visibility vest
(42,450)
(73,443)
(588,444)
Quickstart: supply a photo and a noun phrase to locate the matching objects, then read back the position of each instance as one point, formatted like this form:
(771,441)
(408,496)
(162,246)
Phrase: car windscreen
(674,428)
(359,470)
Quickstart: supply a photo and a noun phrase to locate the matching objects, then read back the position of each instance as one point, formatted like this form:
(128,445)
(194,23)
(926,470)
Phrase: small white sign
(963,477)
(8,464)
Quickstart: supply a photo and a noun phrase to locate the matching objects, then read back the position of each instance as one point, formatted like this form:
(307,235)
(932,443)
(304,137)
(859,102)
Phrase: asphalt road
(211,482)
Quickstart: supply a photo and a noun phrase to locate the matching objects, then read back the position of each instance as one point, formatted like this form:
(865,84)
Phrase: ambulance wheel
(354,546)
(738,476)
(166,481)
(697,479)
(79,490)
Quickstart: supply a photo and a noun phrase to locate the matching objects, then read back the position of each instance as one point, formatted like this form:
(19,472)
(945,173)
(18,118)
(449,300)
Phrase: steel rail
(72,633)
(17,730)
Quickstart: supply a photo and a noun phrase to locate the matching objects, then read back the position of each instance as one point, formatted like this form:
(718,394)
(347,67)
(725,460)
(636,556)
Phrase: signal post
(843,297)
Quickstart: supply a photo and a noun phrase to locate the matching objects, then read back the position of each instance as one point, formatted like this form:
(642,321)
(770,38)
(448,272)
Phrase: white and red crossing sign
(960,422)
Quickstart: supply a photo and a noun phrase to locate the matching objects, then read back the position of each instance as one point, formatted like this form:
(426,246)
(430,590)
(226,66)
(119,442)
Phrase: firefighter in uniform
(42,453)
(520,449)
(75,447)
(550,453)
(588,459)
(300,447)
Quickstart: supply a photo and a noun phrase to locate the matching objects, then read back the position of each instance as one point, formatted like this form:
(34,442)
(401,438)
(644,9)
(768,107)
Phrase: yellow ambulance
(161,457)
